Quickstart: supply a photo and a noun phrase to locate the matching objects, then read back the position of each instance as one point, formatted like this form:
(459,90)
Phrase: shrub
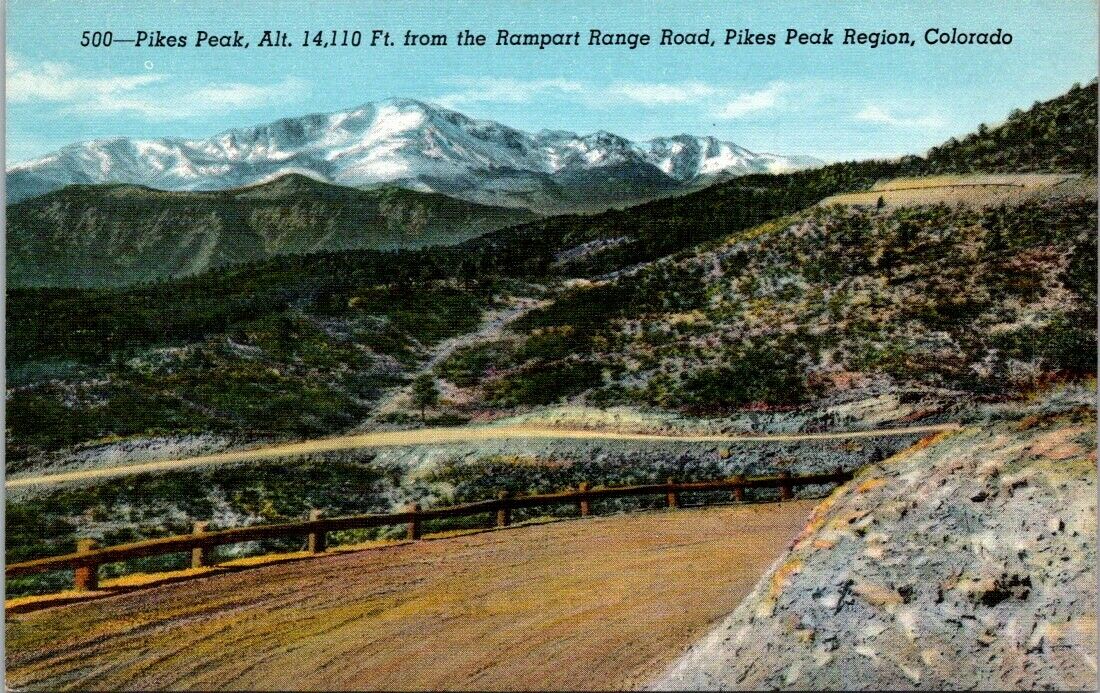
(544,383)
(758,375)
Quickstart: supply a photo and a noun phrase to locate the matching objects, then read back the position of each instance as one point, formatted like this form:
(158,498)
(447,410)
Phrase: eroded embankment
(600,603)
(967,562)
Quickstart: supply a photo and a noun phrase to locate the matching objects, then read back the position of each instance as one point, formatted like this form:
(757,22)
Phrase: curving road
(603,603)
(443,436)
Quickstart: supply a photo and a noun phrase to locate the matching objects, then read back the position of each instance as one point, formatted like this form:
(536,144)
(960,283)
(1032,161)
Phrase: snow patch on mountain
(397,141)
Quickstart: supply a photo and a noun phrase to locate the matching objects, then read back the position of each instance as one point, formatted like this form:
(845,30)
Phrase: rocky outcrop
(968,561)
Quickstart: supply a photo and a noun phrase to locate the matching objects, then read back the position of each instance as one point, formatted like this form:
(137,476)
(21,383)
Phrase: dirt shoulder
(603,603)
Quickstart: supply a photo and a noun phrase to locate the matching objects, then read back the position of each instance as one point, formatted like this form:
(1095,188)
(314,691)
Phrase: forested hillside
(113,235)
(1054,136)
(732,296)
(1050,137)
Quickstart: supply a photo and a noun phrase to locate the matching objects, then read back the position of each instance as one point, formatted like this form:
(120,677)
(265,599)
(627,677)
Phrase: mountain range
(414,145)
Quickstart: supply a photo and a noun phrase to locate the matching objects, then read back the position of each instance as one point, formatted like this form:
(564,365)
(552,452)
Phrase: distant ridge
(120,233)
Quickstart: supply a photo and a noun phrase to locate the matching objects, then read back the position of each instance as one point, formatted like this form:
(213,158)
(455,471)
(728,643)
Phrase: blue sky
(833,102)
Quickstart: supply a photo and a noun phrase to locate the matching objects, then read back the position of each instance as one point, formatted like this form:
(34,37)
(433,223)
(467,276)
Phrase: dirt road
(437,436)
(584,604)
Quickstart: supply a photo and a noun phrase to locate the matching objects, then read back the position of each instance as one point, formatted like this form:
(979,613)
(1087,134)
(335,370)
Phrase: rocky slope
(990,295)
(966,562)
(414,145)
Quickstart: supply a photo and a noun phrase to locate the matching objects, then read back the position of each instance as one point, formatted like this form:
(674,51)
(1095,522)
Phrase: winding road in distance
(444,436)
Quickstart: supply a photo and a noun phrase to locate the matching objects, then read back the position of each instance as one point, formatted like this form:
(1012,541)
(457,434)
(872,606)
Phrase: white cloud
(148,96)
(881,115)
(508,90)
(57,82)
(203,100)
(659,94)
(717,101)
(753,101)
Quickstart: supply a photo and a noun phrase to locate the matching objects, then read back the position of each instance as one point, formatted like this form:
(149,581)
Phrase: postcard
(685,345)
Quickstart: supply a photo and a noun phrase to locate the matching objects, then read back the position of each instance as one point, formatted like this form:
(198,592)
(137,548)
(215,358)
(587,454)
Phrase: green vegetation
(467,365)
(993,300)
(263,362)
(724,298)
(760,374)
(934,295)
(544,382)
(1052,136)
(425,393)
(113,235)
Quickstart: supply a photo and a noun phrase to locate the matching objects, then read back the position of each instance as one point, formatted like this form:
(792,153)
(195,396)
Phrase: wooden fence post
(86,579)
(786,491)
(504,512)
(198,554)
(414,523)
(316,542)
(585,504)
(86,575)
(739,489)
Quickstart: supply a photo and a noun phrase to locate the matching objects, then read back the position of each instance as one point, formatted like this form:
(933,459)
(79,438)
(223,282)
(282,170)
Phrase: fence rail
(86,560)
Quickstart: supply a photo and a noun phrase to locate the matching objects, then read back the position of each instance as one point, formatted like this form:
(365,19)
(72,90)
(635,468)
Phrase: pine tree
(424,394)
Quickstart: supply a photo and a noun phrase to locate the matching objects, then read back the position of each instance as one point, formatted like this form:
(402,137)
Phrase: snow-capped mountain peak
(399,141)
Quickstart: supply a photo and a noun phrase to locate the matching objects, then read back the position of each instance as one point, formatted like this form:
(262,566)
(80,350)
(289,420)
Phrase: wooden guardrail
(87,559)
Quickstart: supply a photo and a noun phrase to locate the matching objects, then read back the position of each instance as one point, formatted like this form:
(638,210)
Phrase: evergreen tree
(425,393)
